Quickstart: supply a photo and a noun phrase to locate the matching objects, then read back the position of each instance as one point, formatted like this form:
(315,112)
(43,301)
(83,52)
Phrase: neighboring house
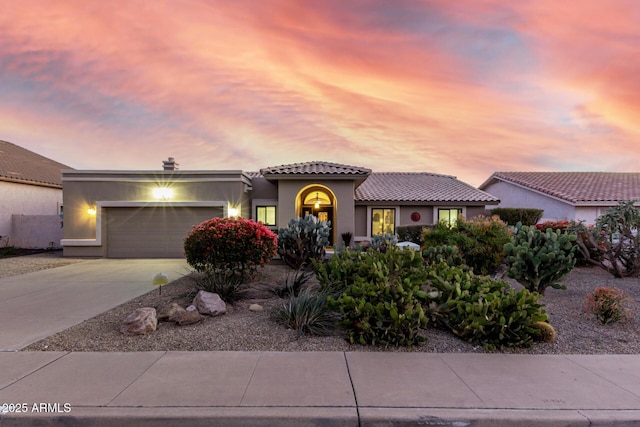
(580,196)
(148,213)
(31,193)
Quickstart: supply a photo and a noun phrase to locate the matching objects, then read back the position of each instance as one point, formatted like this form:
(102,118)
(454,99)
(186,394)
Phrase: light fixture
(162,193)
(233,212)
(92,210)
(317,203)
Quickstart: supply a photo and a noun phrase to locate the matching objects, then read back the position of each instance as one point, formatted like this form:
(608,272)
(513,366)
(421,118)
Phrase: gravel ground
(15,266)
(244,330)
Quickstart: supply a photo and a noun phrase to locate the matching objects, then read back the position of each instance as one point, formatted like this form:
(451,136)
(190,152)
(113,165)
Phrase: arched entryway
(318,200)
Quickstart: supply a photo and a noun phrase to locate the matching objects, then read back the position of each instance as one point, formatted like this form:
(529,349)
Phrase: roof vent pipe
(170,164)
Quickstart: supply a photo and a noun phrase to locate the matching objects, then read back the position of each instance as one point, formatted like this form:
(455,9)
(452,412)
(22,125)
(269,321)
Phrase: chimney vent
(170,164)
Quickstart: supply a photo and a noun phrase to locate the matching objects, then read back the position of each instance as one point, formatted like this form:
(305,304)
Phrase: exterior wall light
(162,193)
(233,212)
(92,210)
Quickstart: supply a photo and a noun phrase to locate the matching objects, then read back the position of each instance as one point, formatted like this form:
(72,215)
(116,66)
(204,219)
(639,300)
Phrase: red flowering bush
(608,304)
(230,245)
(554,225)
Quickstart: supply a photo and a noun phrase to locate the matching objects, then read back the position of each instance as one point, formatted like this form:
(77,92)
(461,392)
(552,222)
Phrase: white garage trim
(134,204)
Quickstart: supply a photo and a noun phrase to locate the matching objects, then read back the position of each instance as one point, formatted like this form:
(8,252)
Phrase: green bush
(410,233)
(481,310)
(437,254)
(230,245)
(226,283)
(342,270)
(377,293)
(304,240)
(292,284)
(512,216)
(539,259)
(307,312)
(479,240)
(382,312)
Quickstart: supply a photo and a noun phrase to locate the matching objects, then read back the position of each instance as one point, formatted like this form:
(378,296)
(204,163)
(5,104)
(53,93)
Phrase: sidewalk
(318,388)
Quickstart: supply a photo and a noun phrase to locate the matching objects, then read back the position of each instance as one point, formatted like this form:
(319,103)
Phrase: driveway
(39,304)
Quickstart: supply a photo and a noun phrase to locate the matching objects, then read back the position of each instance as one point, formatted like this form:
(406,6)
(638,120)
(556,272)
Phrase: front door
(323,213)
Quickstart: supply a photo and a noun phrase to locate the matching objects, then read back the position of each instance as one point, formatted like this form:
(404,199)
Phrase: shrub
(554,225)
(292,284)
(437,254)
(547,332)
(303,240)
(480,241)
(410,233)
(539,259)
(382,312)
(230,245)
(307,313)
(608,304)
(228,285)
(383,243)
(512,216)
(481,310)
(614,242)
(342,270)
(346,238)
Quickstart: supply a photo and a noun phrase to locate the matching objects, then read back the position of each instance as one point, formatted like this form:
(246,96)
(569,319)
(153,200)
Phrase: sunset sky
(464,87)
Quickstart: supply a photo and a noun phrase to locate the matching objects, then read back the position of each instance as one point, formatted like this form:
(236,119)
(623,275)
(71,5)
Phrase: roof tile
(315,168)
(578,187)
(418,187)
(21,165)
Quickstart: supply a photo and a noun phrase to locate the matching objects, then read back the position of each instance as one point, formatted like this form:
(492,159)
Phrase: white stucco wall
(514,196)
(23,199)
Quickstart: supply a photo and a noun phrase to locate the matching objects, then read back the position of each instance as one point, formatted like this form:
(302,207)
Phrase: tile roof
(18,164)
(418,187)
(316,168)
(577,187)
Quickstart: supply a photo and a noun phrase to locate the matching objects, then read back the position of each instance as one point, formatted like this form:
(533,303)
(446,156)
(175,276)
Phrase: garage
(151,232)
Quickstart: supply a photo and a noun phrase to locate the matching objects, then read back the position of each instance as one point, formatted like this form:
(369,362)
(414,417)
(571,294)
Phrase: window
(449,215)
(383,221)
(266,215)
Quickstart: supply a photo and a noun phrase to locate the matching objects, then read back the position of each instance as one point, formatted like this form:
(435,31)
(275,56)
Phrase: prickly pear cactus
(539,259)
(304,239)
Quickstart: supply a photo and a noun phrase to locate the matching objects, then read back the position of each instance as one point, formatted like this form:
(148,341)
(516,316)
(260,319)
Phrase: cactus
(538,259)
(547,333)
(448,254)
(304,239)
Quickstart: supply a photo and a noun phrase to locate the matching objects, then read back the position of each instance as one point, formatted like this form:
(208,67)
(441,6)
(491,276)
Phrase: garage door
(152,232)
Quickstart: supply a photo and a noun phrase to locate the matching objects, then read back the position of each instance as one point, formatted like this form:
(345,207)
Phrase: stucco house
(31,193)
(134,214)
(579,196)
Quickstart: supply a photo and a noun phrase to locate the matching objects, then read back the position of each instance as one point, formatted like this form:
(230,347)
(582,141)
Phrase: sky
(463,88)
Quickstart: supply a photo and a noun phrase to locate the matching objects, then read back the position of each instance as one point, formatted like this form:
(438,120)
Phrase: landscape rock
(256,307)
(191,308)
(209,304)
(141,321)
(171,312)
(189,318)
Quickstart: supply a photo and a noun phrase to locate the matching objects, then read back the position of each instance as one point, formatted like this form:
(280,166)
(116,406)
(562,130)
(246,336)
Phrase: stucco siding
(513,196)
(23,199)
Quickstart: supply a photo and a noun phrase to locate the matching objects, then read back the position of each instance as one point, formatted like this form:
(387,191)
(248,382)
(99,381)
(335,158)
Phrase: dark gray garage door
(152,232)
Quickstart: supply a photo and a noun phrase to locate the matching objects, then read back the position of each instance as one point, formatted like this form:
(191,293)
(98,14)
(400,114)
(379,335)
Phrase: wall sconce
(162,193)
(92,210)
(233,212)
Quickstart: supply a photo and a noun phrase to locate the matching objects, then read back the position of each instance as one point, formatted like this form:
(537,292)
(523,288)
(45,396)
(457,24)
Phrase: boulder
(189,318)
(209,304)
(141,321)
(171,312)
(256,307)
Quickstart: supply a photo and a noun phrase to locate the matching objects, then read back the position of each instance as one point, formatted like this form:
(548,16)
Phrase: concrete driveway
(39,304)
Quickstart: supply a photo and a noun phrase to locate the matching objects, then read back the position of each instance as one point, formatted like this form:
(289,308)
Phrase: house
(122,214)
(579,196)
(31,192)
